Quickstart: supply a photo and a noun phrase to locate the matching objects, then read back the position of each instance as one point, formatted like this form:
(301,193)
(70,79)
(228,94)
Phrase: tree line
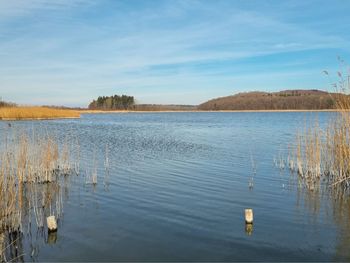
(283,100)
(6,104)
(114,102)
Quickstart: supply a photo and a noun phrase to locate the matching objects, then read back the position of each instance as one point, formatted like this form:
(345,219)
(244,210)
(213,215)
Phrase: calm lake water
(177,187)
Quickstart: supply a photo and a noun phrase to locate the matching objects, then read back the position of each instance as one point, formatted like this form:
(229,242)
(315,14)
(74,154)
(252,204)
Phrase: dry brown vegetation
(283,100)
(323,155)
(24,113)
(32,168)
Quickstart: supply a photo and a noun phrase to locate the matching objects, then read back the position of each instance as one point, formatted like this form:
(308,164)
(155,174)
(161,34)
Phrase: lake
(176,189)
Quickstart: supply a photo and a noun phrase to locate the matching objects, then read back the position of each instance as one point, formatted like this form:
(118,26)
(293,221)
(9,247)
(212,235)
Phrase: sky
(68,52)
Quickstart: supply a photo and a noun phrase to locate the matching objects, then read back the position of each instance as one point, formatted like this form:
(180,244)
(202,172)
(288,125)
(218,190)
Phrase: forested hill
(282,100)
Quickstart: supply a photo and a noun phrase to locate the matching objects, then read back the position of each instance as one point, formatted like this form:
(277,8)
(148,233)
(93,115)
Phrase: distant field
(36,113)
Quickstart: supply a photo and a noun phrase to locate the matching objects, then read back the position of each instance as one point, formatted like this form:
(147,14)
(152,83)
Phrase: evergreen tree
(114,102)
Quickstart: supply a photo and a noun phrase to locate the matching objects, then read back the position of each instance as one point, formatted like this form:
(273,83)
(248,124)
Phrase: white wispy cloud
(142,49)
(15,8)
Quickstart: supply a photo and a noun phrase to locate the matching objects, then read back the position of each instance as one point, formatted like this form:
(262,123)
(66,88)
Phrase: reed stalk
(30,184)
(324,154)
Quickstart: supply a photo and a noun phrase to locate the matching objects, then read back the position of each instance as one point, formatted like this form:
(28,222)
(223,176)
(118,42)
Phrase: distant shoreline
(37,119)
(170,111)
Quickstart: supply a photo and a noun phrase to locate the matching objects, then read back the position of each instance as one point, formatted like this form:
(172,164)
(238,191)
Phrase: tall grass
(33,167)
(20,113)
(26,162)
(323,154)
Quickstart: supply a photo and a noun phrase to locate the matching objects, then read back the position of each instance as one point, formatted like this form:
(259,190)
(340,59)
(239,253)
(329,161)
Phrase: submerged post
(51,223)
(249,229)
(248,216)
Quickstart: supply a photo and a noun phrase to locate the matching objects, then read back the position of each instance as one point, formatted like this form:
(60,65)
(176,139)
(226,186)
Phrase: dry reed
(30,184)
(323,155)
(32,113)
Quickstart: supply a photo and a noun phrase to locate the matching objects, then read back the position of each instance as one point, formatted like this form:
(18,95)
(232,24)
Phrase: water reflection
(52,237)
(249,229)
(334,205)
(25,234)
(12,247)
(341,215)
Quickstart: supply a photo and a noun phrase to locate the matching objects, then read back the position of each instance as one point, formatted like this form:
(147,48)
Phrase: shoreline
(161,111)
(37,119)
(174,111)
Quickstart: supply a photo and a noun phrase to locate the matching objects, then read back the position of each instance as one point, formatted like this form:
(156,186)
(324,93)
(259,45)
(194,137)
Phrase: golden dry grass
(31,165)
(33,176)
(32,113)
(325,153)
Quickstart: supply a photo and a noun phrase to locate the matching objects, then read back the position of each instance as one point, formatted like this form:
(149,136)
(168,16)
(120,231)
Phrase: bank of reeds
(33,113)
(323,154)
(33,167)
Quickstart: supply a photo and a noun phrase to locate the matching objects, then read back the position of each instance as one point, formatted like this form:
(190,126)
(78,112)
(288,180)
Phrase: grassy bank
(36,113)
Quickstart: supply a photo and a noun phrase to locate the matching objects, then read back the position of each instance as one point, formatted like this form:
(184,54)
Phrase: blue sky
(67,52)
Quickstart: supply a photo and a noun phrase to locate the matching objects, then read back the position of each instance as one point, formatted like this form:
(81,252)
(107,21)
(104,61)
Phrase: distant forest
(256,100)
(6,104)
(283,100)
(124,102)
(114,102)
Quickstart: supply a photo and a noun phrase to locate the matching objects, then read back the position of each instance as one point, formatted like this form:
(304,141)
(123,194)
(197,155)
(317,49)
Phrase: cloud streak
(164,47)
